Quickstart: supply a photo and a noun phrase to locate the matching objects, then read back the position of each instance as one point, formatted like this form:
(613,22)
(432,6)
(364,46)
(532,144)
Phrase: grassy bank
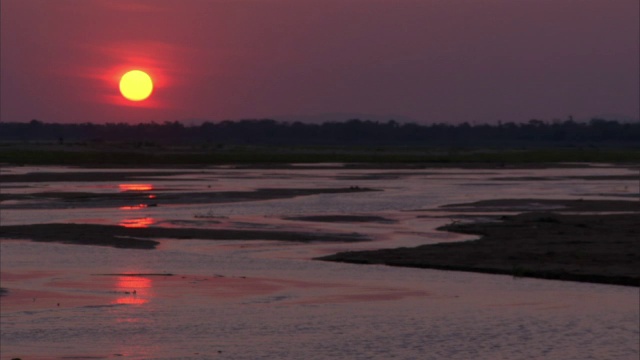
(127,156)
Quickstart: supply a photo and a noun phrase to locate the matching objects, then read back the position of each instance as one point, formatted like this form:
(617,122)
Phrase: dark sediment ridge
(139,238)
(89,176)
(577,205)
(578,247)
(65,200)
(343,218)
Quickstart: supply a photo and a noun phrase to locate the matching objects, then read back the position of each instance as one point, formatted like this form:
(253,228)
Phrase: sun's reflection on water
(135,187)
(133,290)
(138,188)
(134,207)
(137,222)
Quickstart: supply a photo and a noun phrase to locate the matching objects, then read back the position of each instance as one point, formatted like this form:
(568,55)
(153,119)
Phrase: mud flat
(140,238)
(598,248)
(343,219)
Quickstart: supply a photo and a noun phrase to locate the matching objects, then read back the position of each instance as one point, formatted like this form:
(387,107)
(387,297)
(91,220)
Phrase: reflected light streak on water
(136,187)
(134,290)
(134,207)
(137,222)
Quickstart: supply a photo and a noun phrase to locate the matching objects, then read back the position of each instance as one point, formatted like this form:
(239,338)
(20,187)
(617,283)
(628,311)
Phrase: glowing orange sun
(136,85)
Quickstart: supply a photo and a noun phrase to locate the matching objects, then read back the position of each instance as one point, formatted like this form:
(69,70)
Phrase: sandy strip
(88,176)
(590,247)
(343,219)
(545,204)
(138,238)
(65,200)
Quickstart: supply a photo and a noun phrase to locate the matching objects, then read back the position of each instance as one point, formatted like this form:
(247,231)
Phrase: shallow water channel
(203,299)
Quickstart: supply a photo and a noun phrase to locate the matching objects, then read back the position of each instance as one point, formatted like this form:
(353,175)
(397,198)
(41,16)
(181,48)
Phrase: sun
(136,85)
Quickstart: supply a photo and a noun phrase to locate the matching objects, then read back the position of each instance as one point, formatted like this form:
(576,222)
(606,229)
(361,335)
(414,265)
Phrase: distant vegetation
(353,141)
(355,132)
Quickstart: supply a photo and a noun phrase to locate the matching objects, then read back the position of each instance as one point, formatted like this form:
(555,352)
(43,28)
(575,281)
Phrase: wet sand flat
(579,247)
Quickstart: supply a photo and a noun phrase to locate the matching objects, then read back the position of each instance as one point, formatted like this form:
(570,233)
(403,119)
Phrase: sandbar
(343,219)
(140,238)
(65,200)
(587,247)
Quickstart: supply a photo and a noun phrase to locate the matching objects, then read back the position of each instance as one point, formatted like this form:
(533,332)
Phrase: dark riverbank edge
(384,157)
(588,247)
(138,238)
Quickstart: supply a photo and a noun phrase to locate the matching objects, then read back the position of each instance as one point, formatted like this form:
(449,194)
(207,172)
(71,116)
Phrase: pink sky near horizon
(426,60)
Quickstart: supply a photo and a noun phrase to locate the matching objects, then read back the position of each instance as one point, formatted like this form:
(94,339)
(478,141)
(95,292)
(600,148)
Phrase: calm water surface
(268,299)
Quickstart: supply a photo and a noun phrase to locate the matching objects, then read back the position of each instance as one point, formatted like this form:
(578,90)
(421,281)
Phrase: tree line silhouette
(354,132)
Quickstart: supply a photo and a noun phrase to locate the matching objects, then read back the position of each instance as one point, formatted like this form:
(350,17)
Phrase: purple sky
(427,60)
